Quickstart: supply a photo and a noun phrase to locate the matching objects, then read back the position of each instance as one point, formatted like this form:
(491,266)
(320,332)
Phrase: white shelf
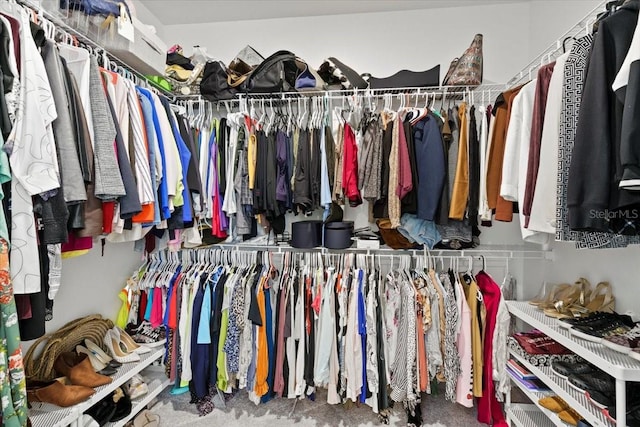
(534,396)
(576,399)
(618,365)
(48,415)
(157,382)
(529,416)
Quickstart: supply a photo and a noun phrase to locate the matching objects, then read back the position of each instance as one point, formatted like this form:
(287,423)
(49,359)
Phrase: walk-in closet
(319,213)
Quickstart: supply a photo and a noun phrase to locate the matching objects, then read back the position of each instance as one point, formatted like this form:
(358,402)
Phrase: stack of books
(522,375)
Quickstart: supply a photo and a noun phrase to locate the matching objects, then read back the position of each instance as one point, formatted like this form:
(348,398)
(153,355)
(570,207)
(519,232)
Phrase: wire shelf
(58,21)
(576,399)
(528,416)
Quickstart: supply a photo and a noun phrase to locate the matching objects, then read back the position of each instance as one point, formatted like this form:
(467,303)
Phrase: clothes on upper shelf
(284,329)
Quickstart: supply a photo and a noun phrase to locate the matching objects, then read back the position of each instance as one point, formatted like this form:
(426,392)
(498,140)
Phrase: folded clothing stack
(539,349)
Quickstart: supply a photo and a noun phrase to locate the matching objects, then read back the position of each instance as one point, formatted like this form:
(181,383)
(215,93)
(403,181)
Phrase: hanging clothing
(489,409)
(539,107)
(516,155)
(598,134)
(575,68)
(430,160)
(502,112)
(350,168)
(542,216)
(13,383)
(460,190)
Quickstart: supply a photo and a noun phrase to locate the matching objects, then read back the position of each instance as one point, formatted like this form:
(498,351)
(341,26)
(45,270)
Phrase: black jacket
(594,199)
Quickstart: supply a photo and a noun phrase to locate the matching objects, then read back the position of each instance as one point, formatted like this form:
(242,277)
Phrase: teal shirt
(5,176)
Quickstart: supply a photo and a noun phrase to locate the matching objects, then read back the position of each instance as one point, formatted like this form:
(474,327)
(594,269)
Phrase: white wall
(619,267)
(378,43)
(548,19)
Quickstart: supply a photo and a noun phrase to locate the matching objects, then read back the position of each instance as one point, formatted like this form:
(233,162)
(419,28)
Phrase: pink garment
(77,243)
(278,385)
(464,387)
(156,308)
(489,409)
(350,168)
(405,183)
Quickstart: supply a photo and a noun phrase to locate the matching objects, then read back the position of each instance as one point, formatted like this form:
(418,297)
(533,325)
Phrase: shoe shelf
(534,396)
(618,365)
(48,415)
(522,415)
(158,381)
(574,398)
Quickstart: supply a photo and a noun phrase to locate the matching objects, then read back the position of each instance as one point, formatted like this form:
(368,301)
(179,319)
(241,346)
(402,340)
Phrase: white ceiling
(199,11)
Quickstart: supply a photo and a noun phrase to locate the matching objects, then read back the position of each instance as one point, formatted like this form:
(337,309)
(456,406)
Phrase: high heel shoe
(576,294)
(551,294)
(98,366)
(101,355)
(130,345)
(113,344)
(78,369)
(601,300)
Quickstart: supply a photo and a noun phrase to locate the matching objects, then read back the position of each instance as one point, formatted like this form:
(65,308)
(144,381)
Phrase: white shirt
(500,352)
(78,62)
(543,208)
(486,131)
(34,168)
(234,121)
(173,167)
(516,155)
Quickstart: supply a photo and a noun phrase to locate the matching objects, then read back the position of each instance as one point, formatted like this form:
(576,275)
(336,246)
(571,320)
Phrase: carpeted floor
(176,411)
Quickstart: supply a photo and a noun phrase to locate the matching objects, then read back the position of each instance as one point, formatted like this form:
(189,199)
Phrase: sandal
(552,295)
(576,294)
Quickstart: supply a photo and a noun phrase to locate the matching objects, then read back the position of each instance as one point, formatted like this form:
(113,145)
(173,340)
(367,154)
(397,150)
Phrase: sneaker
(624,343)
(594,381)
(565,369)
(596,332)
(596,317)
(150,336)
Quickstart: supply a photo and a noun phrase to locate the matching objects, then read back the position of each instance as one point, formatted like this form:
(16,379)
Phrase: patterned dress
(12,378)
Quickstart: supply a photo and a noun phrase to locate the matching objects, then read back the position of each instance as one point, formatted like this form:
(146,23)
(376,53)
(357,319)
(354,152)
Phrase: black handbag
(218,83)
(277,73)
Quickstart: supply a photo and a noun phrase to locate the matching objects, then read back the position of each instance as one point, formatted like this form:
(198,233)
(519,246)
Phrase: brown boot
(78,368)
(57,393)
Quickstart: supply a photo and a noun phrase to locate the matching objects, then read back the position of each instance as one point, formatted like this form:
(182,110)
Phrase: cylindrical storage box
(337,235)
(306,234)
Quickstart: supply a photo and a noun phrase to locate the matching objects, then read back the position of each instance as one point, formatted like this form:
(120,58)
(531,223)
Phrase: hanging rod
(83,38)
(340,94)
(583,27)
(488,252)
